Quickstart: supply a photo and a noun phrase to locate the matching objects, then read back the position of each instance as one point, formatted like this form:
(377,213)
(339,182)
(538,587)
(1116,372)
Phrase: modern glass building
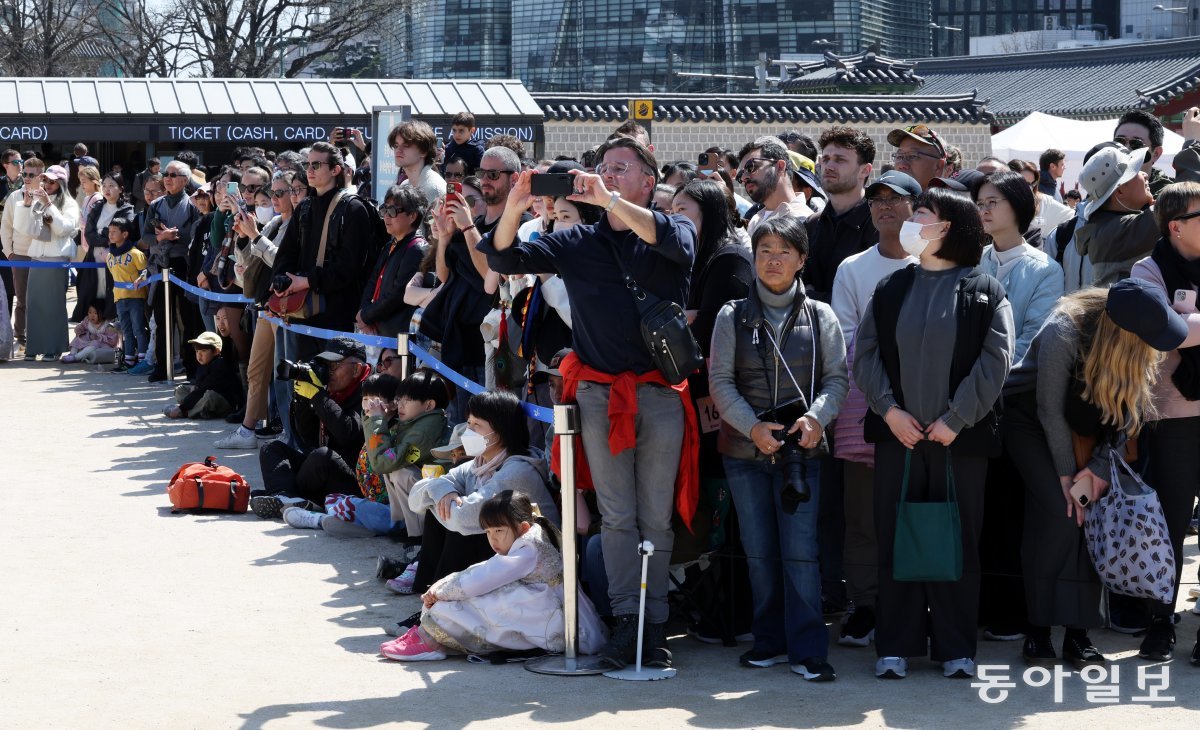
(452,39)
(974,18)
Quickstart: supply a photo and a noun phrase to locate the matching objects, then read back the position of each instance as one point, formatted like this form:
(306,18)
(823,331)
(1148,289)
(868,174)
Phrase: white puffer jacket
(58,240)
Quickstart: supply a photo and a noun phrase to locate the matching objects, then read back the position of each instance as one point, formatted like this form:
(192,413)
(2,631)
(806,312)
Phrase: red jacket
(622,428)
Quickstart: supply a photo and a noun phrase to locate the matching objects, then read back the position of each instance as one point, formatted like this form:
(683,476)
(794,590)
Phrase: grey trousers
(635,491)
(398,485)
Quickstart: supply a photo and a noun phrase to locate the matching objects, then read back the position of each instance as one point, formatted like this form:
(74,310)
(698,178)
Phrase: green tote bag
(928,544)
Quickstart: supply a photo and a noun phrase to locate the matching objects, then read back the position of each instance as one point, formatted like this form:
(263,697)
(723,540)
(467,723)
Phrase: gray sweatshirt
(925,335)
(526,474)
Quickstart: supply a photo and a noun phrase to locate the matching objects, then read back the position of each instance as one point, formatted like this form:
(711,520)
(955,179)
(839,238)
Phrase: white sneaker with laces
(302,519)
(237,441)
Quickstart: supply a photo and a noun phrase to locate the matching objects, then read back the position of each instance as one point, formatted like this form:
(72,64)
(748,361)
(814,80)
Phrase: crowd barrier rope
(51,264)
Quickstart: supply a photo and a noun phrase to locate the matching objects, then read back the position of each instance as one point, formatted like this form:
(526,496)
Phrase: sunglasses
(1187,216)
(316,165)
(31,175)
(281,193)
(173,174)
(494,174)
(1133,143)
(455,176)
(753,165)
(391,211)
(252,188)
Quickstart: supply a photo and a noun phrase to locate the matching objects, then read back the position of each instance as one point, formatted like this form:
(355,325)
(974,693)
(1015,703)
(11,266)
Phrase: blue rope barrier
(213,296)
(52,264)
(139,284)
(539,413)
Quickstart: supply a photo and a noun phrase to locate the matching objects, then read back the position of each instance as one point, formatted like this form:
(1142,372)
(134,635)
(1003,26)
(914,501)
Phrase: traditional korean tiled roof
(1079,83)
(778,108)
(864,69)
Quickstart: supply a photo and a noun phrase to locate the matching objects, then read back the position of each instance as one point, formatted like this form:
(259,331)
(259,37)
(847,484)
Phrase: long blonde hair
(1119,369)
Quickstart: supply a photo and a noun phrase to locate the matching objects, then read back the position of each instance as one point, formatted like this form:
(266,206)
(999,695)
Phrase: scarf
(483,471)
(1179,273)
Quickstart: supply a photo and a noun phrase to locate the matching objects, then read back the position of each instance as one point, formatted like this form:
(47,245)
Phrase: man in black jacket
(328,424)
(335,282)
(844,227)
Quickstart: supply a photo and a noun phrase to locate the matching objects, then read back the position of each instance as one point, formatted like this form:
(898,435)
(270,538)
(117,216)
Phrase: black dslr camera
(288,370)
(792,455)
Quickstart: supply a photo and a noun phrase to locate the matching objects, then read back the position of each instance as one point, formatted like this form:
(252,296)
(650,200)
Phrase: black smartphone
(552,184)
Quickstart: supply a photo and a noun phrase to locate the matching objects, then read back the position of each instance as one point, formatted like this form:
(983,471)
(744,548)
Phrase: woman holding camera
(932,353)
(778,377)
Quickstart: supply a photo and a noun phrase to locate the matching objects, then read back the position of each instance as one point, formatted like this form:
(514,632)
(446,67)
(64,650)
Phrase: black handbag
(673,348)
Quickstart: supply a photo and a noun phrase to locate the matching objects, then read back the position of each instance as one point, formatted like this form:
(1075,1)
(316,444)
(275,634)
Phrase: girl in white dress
(511,602)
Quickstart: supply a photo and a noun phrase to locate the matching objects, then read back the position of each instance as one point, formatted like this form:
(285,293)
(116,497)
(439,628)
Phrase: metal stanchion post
(166,323)
(406,358)
(566,427)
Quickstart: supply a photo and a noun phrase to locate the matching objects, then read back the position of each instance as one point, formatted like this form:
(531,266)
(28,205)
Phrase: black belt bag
(665,331)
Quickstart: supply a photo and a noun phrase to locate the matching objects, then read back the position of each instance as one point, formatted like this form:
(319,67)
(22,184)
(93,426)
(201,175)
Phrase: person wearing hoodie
(497,437)
(1117,225)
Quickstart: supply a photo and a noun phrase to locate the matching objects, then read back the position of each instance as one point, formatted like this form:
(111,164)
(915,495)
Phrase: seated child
(217,390)
(393,445)
(511,602)
(126,265)
(96,338)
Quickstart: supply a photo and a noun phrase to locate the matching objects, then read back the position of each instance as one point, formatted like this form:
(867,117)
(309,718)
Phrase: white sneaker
(236,441)
(891,667)
(959,668)
(302,519)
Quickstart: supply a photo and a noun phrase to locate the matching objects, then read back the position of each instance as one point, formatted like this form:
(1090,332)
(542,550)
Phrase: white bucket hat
(1107,170)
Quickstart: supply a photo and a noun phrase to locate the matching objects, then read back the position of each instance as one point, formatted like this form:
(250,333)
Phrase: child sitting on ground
(393,446)
(96,338)
(217,391)
(512,602)
(126,265)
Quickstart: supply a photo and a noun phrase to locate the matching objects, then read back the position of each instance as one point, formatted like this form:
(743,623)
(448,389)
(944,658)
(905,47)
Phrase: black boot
(1159,640)
(621,648)
(1079,650)
(654,646)
(1038,647)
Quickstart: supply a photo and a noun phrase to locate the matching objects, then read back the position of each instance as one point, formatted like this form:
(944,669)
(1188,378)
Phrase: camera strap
(812,383)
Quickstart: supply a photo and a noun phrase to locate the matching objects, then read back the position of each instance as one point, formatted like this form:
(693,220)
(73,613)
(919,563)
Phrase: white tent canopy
(1038,132)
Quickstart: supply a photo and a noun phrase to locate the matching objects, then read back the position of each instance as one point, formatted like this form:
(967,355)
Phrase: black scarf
(1179,273)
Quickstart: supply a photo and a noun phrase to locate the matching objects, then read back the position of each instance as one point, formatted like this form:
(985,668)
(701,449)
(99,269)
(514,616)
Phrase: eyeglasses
(391,211)
(316,165)
(174,174)
(251,188)
(1187,216)
(298,191)
(281,193)
(386,362)
(911,157)
(888,202)
(987,206)
(1133,143)
(494,174)
(752,166)
(616,169)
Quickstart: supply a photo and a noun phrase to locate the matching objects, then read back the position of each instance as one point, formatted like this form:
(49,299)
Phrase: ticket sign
(641,109)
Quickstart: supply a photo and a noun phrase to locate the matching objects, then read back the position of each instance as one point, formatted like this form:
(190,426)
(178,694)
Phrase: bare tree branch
(49,38)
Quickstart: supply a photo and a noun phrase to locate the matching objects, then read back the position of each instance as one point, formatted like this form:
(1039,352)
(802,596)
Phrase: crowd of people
(874,335)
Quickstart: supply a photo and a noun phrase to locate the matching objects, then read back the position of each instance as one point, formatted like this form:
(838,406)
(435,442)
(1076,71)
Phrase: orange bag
(208,486)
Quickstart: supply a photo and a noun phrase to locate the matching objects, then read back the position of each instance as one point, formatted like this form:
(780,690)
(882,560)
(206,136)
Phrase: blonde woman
(1083,389)
(89,283)
(1173,461)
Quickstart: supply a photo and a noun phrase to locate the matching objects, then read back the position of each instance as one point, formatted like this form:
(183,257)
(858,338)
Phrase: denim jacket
(1034,285)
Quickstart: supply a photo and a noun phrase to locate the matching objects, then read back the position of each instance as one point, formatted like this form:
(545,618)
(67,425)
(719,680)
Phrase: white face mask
(910,237)
(474,443)
(264,213)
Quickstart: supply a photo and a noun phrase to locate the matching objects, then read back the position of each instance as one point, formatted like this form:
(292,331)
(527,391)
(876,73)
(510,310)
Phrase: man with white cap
(1117,225)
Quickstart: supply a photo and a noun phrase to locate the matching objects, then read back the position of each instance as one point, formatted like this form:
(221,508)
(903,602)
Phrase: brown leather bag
(307,303)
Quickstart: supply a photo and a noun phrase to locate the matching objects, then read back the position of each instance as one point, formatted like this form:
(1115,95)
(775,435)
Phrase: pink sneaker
(410,648)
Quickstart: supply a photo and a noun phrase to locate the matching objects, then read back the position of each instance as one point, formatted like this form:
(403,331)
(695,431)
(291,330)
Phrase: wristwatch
(612,202)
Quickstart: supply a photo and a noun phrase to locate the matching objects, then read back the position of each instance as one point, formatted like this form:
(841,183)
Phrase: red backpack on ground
(208,486)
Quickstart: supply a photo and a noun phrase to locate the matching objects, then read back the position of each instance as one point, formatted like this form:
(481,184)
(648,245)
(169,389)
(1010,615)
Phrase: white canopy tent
(1038,132)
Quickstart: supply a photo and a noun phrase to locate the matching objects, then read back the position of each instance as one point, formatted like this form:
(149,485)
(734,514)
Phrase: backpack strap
(333,204)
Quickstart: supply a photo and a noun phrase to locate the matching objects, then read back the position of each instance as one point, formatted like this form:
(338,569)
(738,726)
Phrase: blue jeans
(133,327)
(781,551)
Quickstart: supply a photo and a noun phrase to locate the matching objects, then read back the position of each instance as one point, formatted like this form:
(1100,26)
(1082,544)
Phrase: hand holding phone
(1184,301)
(1081,491)
(552,184)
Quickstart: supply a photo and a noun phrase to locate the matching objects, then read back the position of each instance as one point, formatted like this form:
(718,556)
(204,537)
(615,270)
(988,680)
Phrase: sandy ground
(119,614)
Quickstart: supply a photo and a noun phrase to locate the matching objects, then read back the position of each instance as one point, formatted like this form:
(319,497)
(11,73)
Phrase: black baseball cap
(896,181)
(340,348)
(1137,306)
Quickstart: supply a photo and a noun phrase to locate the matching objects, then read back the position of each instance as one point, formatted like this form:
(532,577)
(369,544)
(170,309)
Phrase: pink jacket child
(95,340)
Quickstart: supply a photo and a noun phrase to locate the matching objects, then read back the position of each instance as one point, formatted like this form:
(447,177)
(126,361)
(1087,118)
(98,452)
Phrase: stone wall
(685,140)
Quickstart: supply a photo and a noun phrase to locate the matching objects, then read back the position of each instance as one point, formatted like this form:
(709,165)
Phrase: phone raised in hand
(453,188)
(552,184)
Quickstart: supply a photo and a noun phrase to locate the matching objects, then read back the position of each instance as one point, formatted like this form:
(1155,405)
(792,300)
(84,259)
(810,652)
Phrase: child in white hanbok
(510,602)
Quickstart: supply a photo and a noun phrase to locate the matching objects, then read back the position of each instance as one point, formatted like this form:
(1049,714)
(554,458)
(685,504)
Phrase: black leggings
(445,551)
